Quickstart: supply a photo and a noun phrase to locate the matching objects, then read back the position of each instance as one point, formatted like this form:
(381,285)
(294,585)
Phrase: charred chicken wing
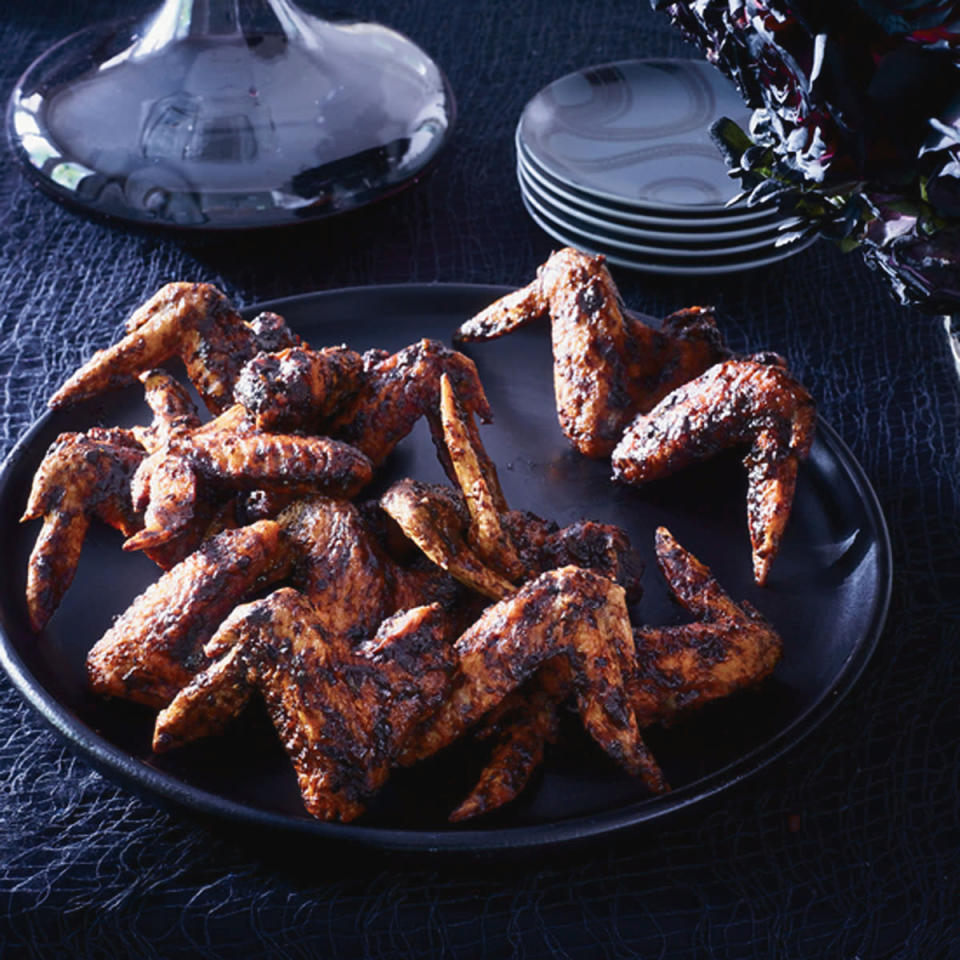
(156,646)
(299,388)
(83,475)
(227,456)
(522,728)
(399,389)
(728,648)
(194,321)
(477,539)
(477,478)
(341,568)
(343,713)
(481,542)
(435,518)
(754,402)
(173,410)
(570,613)
(371,400)
(608,366)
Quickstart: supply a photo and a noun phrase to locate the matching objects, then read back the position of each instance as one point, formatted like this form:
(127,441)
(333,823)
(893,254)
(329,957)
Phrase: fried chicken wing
(155,647)
(173,410)
(344,571)
(753,401)
(194,321)
(165,485)
(185,511)
(83,475)
(597,546)
(299,388)
(608,366)
(728,648)
(399,389)
(569,612)
(435,519)
(338,566)
(341,713)
(524,726)
(477,478)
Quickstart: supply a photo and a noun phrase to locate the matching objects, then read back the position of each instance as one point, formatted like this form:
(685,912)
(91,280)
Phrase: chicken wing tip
(148,539)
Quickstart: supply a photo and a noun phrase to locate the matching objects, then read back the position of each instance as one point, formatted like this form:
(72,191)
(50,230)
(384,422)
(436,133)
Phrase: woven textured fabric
(847,847)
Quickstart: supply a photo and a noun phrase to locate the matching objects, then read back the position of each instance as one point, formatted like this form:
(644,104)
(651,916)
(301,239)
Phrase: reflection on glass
(229,113)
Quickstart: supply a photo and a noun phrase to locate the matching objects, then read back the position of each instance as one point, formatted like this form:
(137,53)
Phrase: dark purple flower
(856,123)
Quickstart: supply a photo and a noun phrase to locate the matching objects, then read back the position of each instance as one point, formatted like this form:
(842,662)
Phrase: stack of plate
(617,159)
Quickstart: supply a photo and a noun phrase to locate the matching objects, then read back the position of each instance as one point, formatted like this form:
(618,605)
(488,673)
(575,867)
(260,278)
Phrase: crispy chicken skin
(608,366)
(342,713)
(166,484)
(194,321)
(399,389)
(299,388)
(434,517)
(569,612)
(601,547)
(155,647)
(340,567)
(753,401)
(728,648)
(477,478)
(173,410)
(371,400)
(83,475)
(524,725)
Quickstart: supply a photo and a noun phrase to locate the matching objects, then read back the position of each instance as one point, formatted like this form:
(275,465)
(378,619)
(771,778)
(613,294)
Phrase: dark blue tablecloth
(845,848)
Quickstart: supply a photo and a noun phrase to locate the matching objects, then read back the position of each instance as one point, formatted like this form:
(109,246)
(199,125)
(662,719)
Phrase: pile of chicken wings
(660,399)
(378,632)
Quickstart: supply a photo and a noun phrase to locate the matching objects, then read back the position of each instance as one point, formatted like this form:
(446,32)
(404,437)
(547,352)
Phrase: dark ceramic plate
(713,264)
(648,245)
(609,210)
(610,223)
(828,596)
(637,132)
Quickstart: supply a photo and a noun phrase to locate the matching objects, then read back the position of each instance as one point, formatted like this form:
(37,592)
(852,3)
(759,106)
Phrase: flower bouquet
(855,126)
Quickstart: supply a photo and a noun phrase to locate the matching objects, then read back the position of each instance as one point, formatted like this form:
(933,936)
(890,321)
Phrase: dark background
(845,848)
